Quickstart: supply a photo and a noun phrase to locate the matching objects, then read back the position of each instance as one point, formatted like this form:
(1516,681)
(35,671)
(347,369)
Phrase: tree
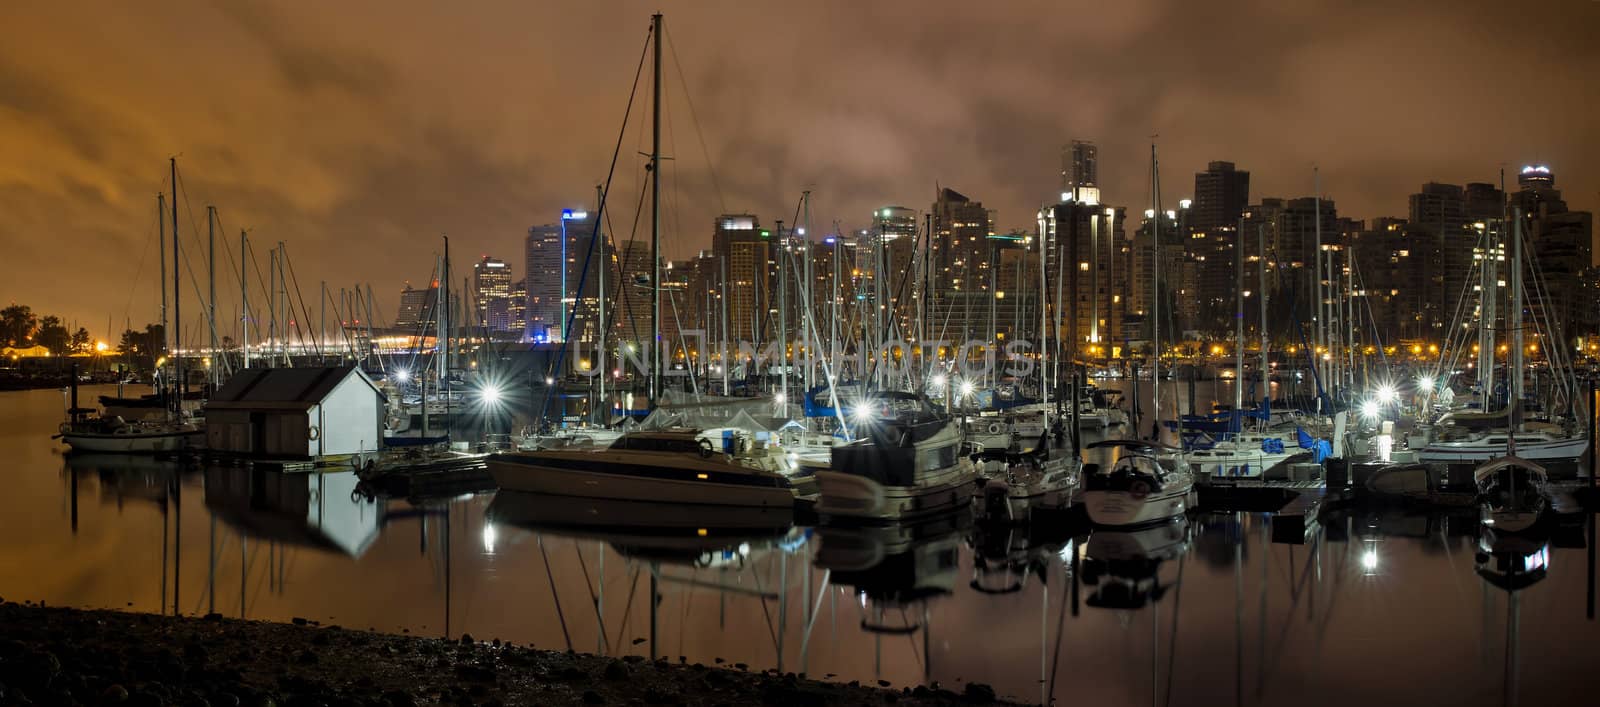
(53,335)
(144,347)
(16,324)
(82,342)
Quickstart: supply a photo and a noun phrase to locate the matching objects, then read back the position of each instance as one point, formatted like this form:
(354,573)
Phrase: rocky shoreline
(55,656)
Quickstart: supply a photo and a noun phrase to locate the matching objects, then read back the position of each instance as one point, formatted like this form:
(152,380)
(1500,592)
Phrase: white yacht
(1013,492)
(1137,489)
(673,465)
(1512,489)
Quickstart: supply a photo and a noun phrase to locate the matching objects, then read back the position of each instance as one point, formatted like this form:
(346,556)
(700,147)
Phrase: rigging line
(626,295)
(627,607)
(298,296)
(594,601)
(127,309)
(566,330)
(694,119)
(551,576)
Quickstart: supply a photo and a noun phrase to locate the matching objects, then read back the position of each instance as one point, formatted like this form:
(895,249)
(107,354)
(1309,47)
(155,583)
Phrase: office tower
(1558,248)
(746,253)
(1220,195)
(543,272)
(517,308)
(1082,244)
(491,287)
(1441,210)
(960,264)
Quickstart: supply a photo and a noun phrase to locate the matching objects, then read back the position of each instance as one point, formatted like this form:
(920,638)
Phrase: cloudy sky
(357,132)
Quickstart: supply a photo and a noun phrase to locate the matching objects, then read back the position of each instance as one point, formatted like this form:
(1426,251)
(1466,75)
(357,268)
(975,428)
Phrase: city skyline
(317,139)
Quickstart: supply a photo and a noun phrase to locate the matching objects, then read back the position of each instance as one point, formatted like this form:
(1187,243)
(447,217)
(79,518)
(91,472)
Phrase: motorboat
(1023,484)
(905,463)
(1512,490)
(987,432)
(683,465)
(1542,444)
(1137,488)
(578,436)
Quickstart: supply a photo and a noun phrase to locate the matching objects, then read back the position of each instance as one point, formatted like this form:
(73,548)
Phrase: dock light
(939,381)
(489,536)
(402,376)
(861,413)
(1426,384)
(967,388)
(490,394)
(1369,561)
(100,346)
(549,381)
(780,398)
(1369,409)
(1387,394)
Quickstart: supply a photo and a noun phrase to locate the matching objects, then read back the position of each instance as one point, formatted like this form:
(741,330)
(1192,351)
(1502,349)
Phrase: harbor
(923,356)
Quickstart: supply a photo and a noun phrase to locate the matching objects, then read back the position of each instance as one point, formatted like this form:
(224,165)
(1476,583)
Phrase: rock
(144,698)
(213,616)
(883,683)
(590,697)
(472,672)
(225,699)
(399,698)
(298,621)
(658,696)
(306,657)
(637,641)
(114,693)
(978,692)
(741,666)
(615,670)
(466,639)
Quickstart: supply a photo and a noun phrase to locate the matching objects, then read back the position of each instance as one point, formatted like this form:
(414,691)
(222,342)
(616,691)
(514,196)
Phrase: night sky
(357,132)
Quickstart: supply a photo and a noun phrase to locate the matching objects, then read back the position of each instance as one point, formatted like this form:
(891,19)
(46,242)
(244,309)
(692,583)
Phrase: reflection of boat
(129,477)
(674,465)
(623,518)
(1512,489)
(1511,561)
(895,569)
(1124,565)
(1136,489)
(1004,556)
(909,464)
(322,511)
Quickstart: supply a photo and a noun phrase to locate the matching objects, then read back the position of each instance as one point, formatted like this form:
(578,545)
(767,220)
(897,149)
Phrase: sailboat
(1466,442)
(174,431)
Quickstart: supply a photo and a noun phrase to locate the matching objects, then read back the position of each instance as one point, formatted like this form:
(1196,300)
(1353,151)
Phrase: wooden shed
(297,413)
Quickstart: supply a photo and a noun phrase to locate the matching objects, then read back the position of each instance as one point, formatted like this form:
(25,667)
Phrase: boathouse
(297,413)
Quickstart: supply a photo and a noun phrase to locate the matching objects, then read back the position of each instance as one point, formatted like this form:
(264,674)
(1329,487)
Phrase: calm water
(1381,608)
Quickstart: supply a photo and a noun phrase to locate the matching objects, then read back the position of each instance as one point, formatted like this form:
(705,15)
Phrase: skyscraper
(1080,172)
(491,287)
(542,274)
(1220,195)
(1440,210)
(418,308)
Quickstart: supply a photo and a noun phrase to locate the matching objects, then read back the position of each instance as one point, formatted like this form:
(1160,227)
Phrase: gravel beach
(56,656)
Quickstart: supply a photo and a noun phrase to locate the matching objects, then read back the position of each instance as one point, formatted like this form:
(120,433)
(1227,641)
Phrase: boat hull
(135,443)
(1122,509)
(851,497)
(1556,449)
(532,477)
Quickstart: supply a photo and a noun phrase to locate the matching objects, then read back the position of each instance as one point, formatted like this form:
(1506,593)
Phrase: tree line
(20,327)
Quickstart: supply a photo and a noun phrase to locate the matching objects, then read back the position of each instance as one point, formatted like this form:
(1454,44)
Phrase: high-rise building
(584,252)
(1082,248)
(1220,196)
(1080,172)
(418,309)
(491,288)
(746,251)
(1562,249)
(960,264)
(517,307)
(1441,210)
(542,273)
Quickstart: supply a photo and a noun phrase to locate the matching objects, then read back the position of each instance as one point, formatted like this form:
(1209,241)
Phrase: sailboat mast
(177,294)
(782,397)
(211,279)
(655,213)
(1155,283)
(1514,360)
(1238,325)
(161,259)
(244,298)
(605,264)
(1261,295)
(1321,316)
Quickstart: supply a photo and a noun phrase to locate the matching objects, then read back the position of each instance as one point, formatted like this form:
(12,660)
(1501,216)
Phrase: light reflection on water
(1385,606)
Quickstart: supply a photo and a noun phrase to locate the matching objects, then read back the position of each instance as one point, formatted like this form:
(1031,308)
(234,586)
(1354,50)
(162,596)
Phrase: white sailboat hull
(135,442)
(1478,450)
(857,497)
